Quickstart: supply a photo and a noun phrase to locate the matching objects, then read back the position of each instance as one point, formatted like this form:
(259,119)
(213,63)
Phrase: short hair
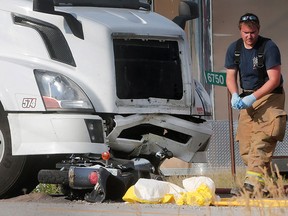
(250,19)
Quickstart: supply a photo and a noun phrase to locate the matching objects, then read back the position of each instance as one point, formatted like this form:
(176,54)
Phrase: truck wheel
(14,170)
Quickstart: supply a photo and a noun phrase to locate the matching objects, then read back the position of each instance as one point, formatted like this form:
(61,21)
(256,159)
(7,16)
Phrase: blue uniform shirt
(249,78)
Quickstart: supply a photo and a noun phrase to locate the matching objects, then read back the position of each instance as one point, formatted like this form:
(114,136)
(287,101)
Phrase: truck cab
(82,77)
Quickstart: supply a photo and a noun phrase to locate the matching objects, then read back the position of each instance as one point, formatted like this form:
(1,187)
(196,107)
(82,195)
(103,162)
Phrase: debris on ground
(196,191)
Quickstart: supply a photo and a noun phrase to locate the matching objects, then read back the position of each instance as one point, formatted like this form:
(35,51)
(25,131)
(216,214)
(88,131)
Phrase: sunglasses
(249,18)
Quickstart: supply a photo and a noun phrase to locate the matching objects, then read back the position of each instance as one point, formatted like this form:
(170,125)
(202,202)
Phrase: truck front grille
(147,69)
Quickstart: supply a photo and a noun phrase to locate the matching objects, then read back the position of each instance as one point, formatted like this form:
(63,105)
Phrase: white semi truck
(94,92)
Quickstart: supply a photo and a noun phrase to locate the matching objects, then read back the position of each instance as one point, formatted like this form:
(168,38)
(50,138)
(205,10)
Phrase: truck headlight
(60,92)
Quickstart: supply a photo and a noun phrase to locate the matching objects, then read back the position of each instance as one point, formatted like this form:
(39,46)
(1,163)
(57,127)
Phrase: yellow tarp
(251,202)
(197,192)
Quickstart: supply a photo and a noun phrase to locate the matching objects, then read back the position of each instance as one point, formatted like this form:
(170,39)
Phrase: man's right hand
(235,100)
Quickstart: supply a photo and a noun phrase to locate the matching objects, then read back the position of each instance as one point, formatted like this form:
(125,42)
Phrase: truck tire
(17,177)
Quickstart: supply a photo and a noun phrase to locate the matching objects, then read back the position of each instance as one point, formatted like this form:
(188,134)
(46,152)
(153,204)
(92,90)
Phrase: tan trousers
(259,129)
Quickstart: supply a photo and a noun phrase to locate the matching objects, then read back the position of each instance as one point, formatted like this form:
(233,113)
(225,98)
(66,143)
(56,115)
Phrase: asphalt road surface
(45,205)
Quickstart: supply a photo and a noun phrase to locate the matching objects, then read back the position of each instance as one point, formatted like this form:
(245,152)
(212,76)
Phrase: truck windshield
(147,69)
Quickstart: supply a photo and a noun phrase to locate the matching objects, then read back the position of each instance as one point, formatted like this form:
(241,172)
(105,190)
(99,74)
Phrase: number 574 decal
(29,102)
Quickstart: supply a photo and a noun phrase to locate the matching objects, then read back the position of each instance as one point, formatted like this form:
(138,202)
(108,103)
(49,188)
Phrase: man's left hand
(246,102)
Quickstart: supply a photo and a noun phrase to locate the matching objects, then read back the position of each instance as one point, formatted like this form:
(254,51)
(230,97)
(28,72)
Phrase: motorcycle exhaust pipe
(83,177)
(87,177)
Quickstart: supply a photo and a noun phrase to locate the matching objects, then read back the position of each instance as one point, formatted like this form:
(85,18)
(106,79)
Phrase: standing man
(262,119)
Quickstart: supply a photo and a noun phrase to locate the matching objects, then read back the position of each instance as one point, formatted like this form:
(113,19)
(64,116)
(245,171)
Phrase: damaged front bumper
(148,134)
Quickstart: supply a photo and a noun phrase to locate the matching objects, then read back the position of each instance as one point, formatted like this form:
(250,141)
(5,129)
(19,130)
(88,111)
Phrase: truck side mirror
(187,11)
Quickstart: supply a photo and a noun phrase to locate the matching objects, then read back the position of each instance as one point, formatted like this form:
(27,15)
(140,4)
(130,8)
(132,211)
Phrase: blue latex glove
(235,100)
(246,102)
